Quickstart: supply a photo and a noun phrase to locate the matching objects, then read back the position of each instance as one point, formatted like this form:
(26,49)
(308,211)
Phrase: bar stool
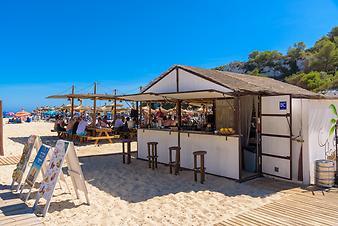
(177,163)
(128,153)
(152,154)
(201,168)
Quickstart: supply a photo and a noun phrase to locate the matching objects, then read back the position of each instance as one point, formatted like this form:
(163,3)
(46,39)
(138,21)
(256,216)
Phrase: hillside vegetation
(312,68)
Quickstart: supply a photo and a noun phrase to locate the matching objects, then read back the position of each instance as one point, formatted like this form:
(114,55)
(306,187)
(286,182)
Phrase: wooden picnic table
(100,134)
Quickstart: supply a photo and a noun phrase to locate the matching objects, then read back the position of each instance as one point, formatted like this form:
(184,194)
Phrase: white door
(276,136)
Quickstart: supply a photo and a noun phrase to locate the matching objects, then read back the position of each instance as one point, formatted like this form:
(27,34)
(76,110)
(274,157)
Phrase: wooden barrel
(325,173)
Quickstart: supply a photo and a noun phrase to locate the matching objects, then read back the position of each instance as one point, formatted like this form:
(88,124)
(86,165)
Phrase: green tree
(325,56)
(259,60)
(295,53)
(314,81)
(320,61)
(333,35)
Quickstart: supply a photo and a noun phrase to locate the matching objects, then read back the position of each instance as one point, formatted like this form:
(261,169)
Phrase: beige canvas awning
(192,95)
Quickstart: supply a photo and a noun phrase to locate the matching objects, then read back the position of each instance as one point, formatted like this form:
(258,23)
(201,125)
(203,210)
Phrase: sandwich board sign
(63,151)
(35,168)
(18,173)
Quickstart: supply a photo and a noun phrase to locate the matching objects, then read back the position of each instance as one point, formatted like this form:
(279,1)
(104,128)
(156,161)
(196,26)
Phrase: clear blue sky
(45,46)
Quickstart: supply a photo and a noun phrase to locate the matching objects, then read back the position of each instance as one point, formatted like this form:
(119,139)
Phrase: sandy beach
(135,195)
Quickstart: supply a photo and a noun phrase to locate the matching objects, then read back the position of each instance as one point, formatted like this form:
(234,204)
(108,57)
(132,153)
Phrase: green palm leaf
(332,130)
(333,121)
(333,109)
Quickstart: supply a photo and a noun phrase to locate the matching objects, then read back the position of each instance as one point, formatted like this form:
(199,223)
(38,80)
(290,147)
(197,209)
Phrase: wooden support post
(72,103)
(259,135)
(149,114)
(94,107)
(214,114)
(179,115)
(1,132)
(115,109)
(137,116)
(239,131)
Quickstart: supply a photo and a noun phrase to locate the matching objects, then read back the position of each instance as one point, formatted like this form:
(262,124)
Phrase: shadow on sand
(136,182)
(51,141)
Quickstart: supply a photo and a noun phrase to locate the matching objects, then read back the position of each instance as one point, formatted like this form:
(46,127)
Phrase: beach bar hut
(280,129)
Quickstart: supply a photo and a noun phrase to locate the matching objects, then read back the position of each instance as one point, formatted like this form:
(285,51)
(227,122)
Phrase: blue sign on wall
(282,105)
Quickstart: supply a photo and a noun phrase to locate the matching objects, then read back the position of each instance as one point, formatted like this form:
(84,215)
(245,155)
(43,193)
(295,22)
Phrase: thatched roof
(244,83)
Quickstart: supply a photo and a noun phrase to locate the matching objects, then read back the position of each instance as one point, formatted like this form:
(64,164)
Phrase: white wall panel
(318,125)
(270,104)
(276,146)
(191,82)
(275,125)
(164,139)
(270,163)
(222,156)
(166,85)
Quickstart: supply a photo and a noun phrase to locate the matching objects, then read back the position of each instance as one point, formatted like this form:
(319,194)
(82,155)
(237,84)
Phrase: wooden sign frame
(35,169)
(34,142)
(64,151)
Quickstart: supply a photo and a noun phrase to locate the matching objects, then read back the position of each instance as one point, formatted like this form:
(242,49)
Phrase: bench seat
(102,138)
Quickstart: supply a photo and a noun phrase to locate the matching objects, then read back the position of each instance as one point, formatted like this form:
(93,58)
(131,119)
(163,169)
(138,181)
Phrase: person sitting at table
(105,120)
(159,114)
(124,128)
(70,125)
(166,121)
(118,123)
(59,124)
(76,124)
(130,123)
(81,129)
(169,122)
(101,123)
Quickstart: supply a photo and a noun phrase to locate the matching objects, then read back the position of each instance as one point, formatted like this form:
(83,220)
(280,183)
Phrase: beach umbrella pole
(1,131)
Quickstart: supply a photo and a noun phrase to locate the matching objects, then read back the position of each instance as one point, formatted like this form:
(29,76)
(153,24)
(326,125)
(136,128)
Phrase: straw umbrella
(104,109)
(66,107)
(82,108)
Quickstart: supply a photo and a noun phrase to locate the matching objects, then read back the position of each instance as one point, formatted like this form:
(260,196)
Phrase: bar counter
(222,156)
(189,131)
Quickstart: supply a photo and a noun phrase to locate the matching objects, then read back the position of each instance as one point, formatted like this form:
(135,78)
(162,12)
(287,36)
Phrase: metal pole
(1,131)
